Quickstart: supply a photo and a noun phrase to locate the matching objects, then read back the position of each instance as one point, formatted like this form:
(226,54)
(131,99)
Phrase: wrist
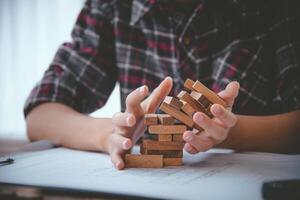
(231,141)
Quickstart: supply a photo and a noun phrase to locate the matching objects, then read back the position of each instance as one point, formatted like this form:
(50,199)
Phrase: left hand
(215,129)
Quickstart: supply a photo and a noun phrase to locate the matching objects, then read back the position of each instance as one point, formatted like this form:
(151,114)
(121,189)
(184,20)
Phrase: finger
(134,99)
(158,95)
(230,93)
(124,119)
(213,130)
(190,149)
(119,142)
(227,118)
(117,160)
(199,142)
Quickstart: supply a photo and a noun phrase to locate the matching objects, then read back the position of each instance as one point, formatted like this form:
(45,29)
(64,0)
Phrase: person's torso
(214,42)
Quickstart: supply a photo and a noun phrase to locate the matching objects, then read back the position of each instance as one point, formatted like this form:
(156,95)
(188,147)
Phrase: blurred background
(30,33)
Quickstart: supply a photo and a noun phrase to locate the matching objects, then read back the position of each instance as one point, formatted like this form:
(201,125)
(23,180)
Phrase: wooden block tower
(166,150)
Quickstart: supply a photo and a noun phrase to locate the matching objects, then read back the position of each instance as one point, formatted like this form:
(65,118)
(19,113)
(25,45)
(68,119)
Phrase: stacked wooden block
(166,150)
(195,98)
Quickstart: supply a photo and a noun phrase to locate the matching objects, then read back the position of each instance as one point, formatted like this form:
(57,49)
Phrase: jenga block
(210,95)
(177,138)
(187,108)
(172,101)
(177,114)
(165,119)
(184,96)
(167,129)
(165,137)
(155,145)
(142,150)
(143,161)
(172,162)
(150,119)
(166,153)
(201,99)
(188,84)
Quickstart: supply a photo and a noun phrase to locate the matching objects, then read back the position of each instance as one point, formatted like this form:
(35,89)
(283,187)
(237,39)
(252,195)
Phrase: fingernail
(188,137)
(142,89)
(126,144)
(218,110)
(199,118)
(129,121)
(168,77)
(119,165)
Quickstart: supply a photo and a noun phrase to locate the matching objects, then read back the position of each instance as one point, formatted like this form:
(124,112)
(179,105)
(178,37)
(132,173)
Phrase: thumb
(158,95)
(230,93)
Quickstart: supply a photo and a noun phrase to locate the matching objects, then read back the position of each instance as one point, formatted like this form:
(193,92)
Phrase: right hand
(128,127)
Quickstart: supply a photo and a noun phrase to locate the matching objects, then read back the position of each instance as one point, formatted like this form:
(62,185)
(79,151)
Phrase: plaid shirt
(136,42)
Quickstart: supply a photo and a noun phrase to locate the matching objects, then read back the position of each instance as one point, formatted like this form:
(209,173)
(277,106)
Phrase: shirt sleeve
(82,74)
(285,34)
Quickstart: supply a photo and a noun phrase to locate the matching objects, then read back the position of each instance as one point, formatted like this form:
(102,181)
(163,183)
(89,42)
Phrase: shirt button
(186,40)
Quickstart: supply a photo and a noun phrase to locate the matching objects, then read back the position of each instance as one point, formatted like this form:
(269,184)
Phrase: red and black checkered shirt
(136,42)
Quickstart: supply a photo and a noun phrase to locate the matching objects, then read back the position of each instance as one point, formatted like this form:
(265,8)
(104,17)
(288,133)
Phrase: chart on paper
(210,175)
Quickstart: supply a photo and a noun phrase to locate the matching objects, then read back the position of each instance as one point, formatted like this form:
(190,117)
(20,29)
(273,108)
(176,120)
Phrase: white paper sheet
(209,175)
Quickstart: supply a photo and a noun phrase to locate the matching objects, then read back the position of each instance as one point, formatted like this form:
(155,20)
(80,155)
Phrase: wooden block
(167,153)
(165,119)
(155,145)
(165,137)
(172,162)
(177,114)
(142,150)
(187,109)
(210,95)
(143,161)
(180,116)
(188,84)
(201,99)
(167,129)
(150,119)
(172,101)
(184,96)
(177,138)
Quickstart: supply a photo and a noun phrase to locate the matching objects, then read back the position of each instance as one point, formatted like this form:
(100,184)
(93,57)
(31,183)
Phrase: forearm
(65,126)
(276,133)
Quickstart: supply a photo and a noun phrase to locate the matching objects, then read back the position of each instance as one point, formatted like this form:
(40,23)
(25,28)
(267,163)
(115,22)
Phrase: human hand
(215,129)
(128,126)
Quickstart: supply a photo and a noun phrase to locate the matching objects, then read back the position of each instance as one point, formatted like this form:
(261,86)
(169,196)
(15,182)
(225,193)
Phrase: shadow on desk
(21,192)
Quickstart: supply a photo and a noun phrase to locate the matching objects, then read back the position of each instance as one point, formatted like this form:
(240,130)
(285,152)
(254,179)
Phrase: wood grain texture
(143,161)
(210,95)
(156,145)
(201,99)
(188,109)
(172,162)
(177,138)
(188,84)
(166,153)
(150,119)
(177,114)
(165,138)
(167,129)
(185,96)
(165,119)
(172,101)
